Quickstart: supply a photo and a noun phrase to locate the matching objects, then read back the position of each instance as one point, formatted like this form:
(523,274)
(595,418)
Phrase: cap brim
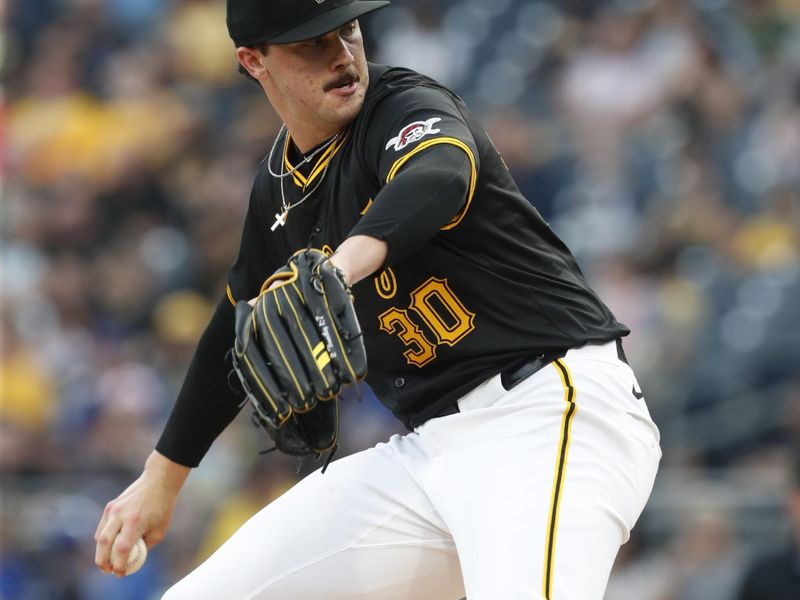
(327,21)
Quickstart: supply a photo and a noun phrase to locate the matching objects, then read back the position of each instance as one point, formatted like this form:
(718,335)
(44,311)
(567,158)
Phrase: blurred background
(660,138)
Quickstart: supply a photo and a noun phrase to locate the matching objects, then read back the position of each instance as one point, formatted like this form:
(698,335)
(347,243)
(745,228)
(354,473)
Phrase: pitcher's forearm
(359,257)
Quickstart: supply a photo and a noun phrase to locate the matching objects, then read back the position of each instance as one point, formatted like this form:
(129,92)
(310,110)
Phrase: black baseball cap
(286,21)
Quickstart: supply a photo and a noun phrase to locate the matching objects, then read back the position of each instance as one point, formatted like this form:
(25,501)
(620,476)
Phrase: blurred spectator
(198,38)
(776,575)
(624,74)
(709,557)
(416,39)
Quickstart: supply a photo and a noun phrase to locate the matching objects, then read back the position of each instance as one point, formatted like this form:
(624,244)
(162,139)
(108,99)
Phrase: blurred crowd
(660,138)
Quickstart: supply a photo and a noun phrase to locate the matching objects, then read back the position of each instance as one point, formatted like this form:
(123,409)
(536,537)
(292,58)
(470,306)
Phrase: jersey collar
(318,166)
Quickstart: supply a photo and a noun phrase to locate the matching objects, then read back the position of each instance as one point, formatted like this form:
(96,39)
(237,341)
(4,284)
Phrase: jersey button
(399,382)
(318,226)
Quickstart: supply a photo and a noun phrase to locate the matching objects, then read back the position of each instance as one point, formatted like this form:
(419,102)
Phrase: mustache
(345,78)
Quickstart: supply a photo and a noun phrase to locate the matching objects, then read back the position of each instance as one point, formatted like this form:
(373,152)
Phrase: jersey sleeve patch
(413,132)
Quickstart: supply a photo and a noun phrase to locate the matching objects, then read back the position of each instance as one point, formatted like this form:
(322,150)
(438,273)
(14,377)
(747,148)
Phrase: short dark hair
(262,48)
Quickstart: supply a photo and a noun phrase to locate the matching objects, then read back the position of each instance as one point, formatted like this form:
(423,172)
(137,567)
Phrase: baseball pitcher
(386,240)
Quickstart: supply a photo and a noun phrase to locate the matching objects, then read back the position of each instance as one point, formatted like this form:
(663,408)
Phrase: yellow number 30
(442,312)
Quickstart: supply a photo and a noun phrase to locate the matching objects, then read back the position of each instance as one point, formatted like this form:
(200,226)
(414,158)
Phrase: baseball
(137,557)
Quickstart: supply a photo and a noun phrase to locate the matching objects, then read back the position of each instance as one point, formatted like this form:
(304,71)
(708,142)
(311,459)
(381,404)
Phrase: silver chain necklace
(280,218)
(306,159)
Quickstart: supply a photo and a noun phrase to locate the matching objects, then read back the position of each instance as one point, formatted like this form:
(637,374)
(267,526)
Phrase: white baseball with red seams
(136,557)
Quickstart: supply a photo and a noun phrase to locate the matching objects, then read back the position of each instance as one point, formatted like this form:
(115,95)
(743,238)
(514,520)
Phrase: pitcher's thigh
(545,492)
(422,570)
(361,529)
(537,529)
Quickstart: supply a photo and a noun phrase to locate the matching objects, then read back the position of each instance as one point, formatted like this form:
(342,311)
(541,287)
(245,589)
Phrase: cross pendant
(280,219)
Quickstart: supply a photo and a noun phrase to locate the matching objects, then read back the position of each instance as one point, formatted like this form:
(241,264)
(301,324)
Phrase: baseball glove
(295,349)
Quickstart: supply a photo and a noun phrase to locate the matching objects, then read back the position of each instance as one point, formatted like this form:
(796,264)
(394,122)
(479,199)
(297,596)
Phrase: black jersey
(492,286)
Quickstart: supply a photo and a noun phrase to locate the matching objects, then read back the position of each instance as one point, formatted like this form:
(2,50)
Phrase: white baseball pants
(525,494)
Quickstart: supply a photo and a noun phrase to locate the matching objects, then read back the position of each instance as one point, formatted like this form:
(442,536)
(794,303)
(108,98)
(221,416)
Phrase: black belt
(515,375)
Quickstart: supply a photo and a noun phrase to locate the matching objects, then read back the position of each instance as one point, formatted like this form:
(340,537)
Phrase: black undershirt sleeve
(205,405)
(429,190)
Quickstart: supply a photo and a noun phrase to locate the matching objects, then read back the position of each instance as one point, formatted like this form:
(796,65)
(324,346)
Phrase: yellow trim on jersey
(300,179)
(230,295)
(558,480)
(386,284)
(473,178)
